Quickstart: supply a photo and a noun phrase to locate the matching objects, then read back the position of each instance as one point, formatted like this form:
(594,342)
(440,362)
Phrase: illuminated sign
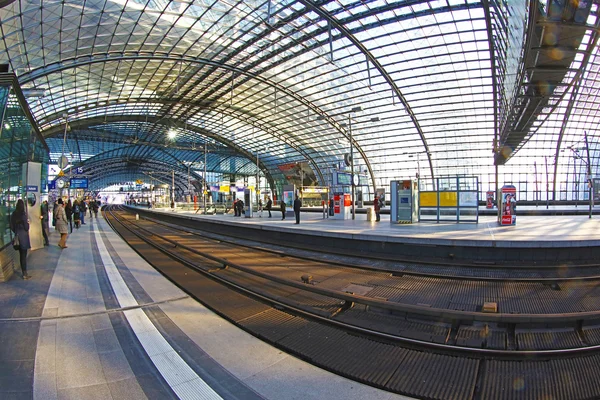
(344,179)
(79,183)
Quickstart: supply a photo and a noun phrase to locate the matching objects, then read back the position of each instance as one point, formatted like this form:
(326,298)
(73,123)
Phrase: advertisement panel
(509,201)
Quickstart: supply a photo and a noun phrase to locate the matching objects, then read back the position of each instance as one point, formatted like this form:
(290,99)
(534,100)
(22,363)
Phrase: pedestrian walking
(19,224)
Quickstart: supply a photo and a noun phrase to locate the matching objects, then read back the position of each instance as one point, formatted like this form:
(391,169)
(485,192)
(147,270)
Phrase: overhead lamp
(172,134)
(356,109)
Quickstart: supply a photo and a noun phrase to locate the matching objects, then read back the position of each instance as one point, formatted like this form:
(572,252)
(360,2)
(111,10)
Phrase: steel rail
(442,314)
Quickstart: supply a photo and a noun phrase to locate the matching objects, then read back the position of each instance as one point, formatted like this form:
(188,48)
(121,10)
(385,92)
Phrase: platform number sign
(79,170)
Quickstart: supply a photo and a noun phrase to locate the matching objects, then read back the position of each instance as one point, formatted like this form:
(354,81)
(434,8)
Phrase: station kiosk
(404,208)
(342,206)
(509,201)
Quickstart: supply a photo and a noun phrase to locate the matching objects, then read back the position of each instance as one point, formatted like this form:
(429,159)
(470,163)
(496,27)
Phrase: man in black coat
(282,208)
(297,205)
(269,205)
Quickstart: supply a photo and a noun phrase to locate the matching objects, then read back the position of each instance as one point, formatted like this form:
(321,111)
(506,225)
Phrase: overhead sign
(32,188)
(314,189)
(343,178)
(79,183)
(79,170)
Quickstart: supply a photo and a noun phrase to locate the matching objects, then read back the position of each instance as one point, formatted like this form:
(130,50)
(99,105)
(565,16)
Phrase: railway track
(341,318)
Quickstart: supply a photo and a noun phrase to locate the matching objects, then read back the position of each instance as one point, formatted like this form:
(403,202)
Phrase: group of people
(238,207)
(63,216)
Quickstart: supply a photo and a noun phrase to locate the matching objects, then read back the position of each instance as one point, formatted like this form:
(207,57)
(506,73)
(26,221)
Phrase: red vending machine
(509,201)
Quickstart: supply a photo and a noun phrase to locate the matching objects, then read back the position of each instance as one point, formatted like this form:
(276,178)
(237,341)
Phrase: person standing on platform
(282,208)
(260,208)
(82,210)
(69,214)
(89,205)
(95,207)
(269,205)
(240,207)
(45,222)
(19,224)
(54,210)
(61,224)
(297,205)
(377,208)
(76,214)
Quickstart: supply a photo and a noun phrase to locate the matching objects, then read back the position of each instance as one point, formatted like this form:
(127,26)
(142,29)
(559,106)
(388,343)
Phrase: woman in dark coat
(19,224)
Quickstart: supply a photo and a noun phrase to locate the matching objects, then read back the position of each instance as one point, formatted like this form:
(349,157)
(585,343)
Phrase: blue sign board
(51,185)
(79,183)
(32,188)
(79,170)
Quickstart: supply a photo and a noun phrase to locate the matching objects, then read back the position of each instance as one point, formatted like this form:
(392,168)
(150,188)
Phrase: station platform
(97,322)
(535,239)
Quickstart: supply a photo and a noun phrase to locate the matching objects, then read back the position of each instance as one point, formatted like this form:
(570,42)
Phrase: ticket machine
(342,206)
(405,201)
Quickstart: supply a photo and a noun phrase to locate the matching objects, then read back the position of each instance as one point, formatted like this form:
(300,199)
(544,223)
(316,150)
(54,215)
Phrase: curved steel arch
(346,32)
(57,130)
(122,169)
(89,60)
(595,36)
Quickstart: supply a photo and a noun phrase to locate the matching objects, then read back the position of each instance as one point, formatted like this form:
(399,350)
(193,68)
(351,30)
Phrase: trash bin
(370,214)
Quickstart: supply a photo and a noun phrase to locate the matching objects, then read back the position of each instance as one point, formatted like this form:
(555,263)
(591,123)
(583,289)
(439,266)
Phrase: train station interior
(299,199)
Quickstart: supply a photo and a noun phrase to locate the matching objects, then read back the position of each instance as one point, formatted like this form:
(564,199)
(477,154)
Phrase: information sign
(79,183)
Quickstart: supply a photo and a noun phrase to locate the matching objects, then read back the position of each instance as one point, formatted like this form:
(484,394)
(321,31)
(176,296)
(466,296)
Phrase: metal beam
(326,15)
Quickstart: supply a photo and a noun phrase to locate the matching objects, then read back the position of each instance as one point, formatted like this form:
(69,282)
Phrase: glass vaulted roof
(425,88)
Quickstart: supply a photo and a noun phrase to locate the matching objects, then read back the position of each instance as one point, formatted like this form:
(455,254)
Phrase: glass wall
(19,143)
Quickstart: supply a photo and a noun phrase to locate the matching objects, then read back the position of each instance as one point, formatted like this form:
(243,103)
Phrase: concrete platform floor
(97,322)
(572,230)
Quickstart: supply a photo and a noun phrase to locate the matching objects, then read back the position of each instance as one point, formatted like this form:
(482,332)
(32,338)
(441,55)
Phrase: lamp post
(257,182)
(173,188)
(589,173)
(588,163)
(204,185)
(353,110)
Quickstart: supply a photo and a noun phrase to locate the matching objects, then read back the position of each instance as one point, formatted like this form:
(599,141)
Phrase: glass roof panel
(284,83)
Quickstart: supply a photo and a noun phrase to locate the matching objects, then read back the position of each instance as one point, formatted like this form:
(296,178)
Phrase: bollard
(137,217)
